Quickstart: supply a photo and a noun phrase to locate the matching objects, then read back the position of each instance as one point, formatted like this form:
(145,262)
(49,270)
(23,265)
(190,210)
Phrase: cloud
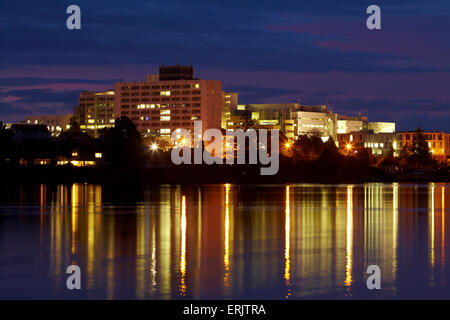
(269,51)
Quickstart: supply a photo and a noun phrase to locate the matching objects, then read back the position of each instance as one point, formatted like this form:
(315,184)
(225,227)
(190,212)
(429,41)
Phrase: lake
(297,241)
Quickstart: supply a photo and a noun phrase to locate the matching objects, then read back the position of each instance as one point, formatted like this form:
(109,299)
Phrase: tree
(420,153)
(307,147)
(7,144)
(330,145)
(247,121)
(74,125)
(123,145)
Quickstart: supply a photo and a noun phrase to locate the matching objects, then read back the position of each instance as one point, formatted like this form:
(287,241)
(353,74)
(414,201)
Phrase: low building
(34,144)
(315,120)
(381,127)
(347,124)
(351,141)
(380,143)
(438,143)
(55,123)
(377,143)
(30,133)
(79,150)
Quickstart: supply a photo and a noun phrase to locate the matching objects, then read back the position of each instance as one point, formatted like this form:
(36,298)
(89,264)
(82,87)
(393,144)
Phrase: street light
(348,146)
(154,147)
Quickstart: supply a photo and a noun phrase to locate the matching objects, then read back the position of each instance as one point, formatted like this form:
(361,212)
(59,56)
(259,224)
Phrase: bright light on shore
(154,147)
(348,146)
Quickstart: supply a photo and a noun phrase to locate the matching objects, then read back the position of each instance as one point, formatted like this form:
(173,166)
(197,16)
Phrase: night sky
(269,51)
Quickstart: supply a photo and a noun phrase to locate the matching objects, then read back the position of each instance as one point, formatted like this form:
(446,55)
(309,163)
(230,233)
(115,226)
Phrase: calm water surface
(225,241)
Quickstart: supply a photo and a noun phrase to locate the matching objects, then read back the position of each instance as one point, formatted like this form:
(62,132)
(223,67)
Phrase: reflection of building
(54,123)
(315,120)
(95,111)
(175,100)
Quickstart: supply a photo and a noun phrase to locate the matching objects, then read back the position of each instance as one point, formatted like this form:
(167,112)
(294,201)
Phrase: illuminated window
(197,86)
(165,112)
(165,93)
(165,118)
(164,130)
(98,154)
(74,154)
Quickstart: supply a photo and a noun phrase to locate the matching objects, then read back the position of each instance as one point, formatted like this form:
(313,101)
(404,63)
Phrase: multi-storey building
(315,120)
(347,124)
(172,100)
(95,111)
(381,143)
(55,123)
(265,116)
(275,114)
(230,103)
(438,143)
(381,127)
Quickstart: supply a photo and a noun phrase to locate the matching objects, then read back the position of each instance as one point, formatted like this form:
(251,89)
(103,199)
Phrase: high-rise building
(173,100)
(95,111)
(55,123)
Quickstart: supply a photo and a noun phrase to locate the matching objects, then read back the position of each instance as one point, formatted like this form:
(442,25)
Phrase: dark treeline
(127,158)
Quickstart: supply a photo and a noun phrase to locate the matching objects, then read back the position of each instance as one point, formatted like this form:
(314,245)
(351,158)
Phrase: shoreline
(185,175)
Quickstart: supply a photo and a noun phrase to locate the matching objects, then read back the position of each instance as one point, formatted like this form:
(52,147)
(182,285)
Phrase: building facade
(160,105)
(381,127)
(315,120)
(438,143)
(347,124)
(95,111)
(55,123)
(230,103)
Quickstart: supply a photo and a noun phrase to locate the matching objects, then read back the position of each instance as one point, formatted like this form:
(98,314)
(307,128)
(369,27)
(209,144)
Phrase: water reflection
(224,241)
(287,230)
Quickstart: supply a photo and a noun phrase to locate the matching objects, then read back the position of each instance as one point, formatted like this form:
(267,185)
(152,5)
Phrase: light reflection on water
(224,241)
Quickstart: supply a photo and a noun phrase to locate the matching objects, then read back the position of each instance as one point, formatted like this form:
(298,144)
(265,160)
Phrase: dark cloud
(321,37)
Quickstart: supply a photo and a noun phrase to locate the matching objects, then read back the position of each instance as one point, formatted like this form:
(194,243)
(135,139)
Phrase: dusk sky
(268,51)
